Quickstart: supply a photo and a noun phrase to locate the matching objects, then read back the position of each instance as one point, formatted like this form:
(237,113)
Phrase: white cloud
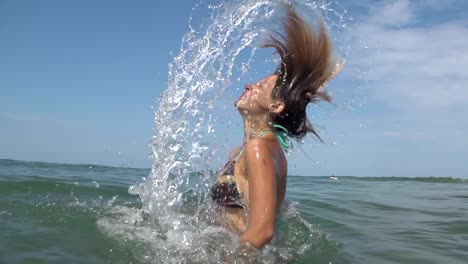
(439,5)
(418,67)
(418,70)
(391,13)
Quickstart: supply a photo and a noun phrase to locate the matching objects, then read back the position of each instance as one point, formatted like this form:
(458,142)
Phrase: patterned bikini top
(225,191)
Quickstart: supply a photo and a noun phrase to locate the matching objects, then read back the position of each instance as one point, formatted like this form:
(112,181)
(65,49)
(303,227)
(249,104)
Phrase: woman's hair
(305,68)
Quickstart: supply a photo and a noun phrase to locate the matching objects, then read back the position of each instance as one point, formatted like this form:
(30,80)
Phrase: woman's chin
(239,103)
(240,107)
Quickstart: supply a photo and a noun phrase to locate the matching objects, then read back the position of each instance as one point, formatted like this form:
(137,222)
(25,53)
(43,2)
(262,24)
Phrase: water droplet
(96,184)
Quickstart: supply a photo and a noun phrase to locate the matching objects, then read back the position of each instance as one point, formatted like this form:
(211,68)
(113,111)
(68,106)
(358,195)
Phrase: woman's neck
(254,125)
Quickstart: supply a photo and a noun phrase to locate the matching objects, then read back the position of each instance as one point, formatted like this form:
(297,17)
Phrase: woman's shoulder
(259,145)
(266,140)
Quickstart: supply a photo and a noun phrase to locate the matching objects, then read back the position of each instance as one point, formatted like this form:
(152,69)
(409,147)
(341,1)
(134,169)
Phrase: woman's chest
(240,175)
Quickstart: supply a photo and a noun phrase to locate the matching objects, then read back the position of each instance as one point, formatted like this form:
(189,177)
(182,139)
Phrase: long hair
(306,66)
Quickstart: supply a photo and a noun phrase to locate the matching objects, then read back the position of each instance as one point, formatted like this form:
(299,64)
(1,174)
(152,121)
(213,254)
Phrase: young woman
(252,185)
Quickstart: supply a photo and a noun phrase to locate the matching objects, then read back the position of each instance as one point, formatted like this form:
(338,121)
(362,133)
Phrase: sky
(78,80)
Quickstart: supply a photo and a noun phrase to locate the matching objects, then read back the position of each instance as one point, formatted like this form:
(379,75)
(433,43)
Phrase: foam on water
(175,223)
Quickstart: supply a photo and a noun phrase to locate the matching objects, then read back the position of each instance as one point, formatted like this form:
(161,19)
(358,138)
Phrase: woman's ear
(276,107)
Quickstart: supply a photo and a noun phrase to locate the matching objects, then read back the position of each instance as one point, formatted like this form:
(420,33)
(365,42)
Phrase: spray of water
(175,222)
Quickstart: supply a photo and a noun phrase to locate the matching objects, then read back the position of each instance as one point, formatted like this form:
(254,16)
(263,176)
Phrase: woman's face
(257,97)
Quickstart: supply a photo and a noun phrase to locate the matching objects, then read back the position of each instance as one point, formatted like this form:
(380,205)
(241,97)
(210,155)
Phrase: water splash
(175,220)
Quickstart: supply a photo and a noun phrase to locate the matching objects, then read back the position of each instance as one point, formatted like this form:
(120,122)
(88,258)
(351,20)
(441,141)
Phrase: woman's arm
(261,175)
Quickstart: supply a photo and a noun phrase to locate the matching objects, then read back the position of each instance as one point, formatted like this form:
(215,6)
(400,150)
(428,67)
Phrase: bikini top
(224,191)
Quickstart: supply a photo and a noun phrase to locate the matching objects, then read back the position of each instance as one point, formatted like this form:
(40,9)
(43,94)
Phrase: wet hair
(305,68)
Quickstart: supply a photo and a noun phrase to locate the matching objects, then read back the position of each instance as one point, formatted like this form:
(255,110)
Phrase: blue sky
(78,80)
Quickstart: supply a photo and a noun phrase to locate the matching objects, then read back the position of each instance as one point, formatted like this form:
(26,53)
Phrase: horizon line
(149,169)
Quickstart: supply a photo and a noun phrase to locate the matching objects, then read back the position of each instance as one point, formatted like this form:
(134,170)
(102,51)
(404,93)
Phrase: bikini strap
(262,133)
(282,135)
(240,153)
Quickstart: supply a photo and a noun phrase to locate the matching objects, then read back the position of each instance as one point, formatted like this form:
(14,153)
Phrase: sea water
(58,213)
